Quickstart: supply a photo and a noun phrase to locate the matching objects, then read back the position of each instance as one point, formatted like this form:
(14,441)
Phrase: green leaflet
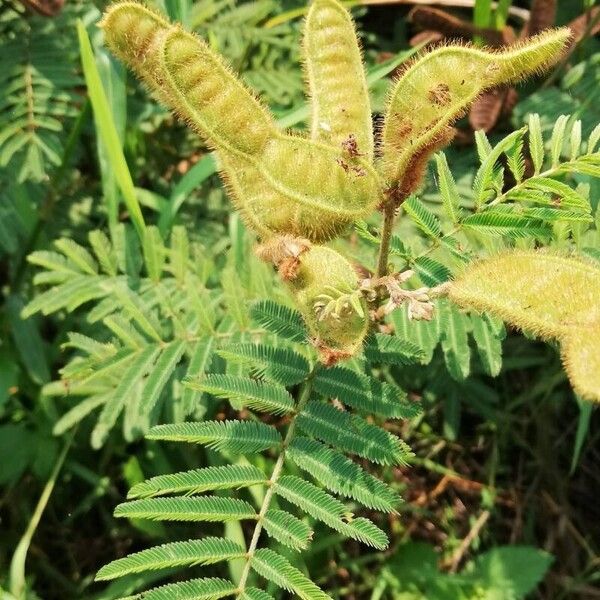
(235,436)
(198,481)
(279,570)
(114,406)
(352,434)
(281,365)
(287,529)
(277,318)
(324,507)
(488,336)
(177,554)
(341,475)
(260,395)
(364,393)
(381,348)
(455,342)
(203,508)
(195,589)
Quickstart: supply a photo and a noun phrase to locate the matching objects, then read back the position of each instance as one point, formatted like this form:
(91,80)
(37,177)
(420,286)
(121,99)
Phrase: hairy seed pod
(300,188)
(580,351)
(188,76)
(550,295)
(439,87)
(327,291)
(341,110)
(282,184)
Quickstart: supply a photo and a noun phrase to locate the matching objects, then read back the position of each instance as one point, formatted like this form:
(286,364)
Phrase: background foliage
(501,491)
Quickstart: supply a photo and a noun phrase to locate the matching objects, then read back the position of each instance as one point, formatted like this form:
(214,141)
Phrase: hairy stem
(386,237)
(303,398)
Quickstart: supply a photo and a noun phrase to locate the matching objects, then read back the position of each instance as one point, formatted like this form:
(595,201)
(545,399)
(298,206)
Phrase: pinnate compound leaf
(341,475)
(352,434)
(233,436)
(255,594)
(206,551)
(287,529)
(259,395)
(325,508)
(423,218)
(199,480)
(197,508)
(282,365)
(381,348)
(211,588)
(282,320)
(277,569)
(364,393)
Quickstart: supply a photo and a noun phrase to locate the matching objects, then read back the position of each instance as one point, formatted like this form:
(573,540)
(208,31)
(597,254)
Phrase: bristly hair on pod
(333,307)
(336,79)
(281,183)
(551,295)
(437,88)
(580,352)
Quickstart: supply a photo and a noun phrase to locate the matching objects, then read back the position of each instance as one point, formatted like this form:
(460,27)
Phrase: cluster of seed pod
(314,187)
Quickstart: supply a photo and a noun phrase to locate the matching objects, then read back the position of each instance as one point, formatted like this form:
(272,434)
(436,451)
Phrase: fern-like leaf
(232,436)
(207,551)
(282,365)
(287,529)
(199,480)
(352,434)
(341,475)
(279,319)
(322,506)
(364,393)
(201,508)
(425,220)
(279,570)
(259,395)
(381,348)
(210,588)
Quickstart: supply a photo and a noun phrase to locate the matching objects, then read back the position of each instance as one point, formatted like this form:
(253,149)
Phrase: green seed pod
(438,88)
(580,351)
(298,187)
(341,111)
(282,184)
(189,77)
(549,295)
(327,291)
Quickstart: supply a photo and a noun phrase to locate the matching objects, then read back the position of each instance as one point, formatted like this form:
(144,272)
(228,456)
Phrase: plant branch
(303,398)
(386,237)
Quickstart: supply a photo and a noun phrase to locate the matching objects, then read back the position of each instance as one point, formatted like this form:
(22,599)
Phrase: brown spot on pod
(440,94)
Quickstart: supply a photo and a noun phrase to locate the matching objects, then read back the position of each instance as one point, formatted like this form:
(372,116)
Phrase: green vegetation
(298,355)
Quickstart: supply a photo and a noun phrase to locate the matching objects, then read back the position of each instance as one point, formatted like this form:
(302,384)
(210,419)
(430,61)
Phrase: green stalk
(386,238)
(303,398)
(17,564)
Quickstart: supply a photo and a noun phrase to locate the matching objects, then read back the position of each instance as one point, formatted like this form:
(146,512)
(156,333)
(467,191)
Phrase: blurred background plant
(501,497)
